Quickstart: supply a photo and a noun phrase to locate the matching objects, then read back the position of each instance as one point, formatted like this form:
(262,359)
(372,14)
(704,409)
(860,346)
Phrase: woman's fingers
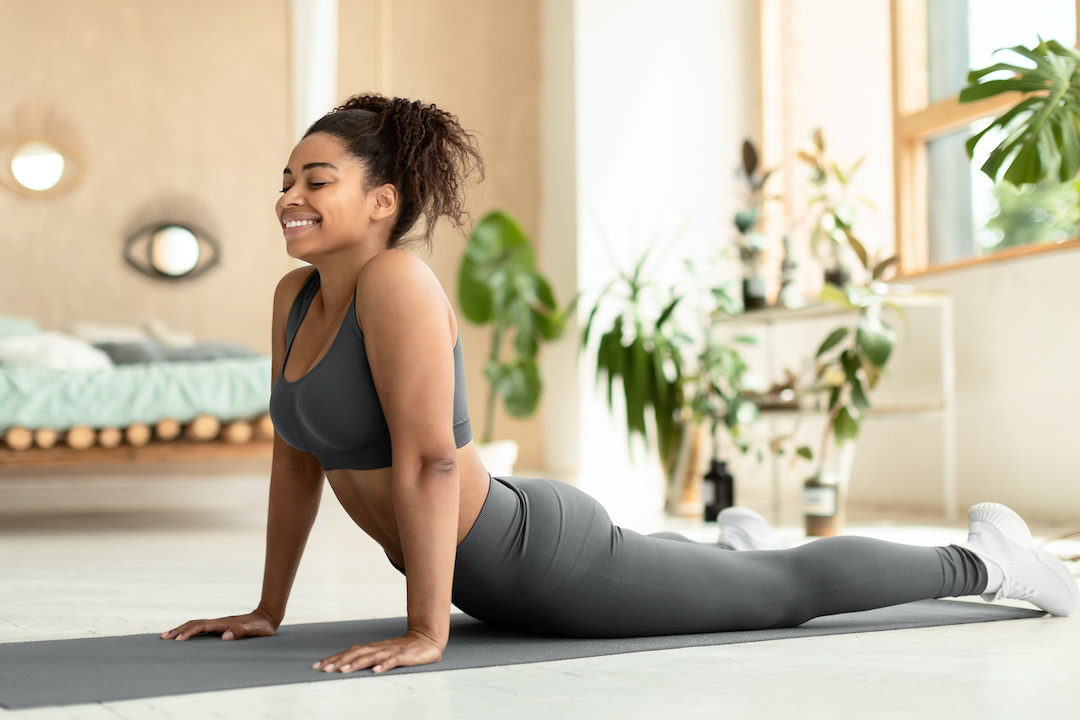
(188,629)
(348,662)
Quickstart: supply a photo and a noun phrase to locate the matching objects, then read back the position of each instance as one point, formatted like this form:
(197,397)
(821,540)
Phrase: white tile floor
(119,554)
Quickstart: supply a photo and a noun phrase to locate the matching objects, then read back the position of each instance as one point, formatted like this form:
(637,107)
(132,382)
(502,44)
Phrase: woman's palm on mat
(255,624)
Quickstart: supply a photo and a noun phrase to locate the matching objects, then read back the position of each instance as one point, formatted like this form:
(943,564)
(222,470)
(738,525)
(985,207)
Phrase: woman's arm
(426,498)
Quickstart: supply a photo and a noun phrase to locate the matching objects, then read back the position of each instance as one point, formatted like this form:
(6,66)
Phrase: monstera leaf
(1041,130)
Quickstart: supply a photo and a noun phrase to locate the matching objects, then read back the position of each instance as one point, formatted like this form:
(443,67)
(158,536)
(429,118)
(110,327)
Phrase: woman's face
(322,186)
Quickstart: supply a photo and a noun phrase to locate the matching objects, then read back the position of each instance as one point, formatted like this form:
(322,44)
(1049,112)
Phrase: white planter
(499,456)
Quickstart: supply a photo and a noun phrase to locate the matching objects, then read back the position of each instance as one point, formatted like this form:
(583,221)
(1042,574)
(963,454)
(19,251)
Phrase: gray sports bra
(333,411)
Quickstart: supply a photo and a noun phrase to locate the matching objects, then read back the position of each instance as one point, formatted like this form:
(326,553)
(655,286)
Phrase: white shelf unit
(773,316)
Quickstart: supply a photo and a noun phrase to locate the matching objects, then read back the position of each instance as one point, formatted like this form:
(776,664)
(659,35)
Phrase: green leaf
(858,397)
(750,157)
(745,339)
(882,266)
(831,341)
(849,359)
(859,249)
(745,219)
(845,427)
(834,294)
(667,311)
(1044,142)
(805,451)
(875,339)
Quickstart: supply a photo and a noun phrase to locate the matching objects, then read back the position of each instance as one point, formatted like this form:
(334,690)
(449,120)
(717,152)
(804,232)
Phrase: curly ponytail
(417,147)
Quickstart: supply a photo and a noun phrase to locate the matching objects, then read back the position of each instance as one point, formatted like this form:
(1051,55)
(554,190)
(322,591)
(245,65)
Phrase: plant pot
(498,457)
(753,292)
(825,494)
(683,495)
(823,506)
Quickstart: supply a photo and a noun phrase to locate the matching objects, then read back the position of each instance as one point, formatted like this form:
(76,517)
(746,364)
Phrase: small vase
(838,275)
(683,497)
(753,290)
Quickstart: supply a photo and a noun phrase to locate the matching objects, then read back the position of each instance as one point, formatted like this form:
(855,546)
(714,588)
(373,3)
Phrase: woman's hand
(255,624)
(412,648)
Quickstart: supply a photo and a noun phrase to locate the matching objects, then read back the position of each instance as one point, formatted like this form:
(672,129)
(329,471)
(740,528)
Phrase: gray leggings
(544,555)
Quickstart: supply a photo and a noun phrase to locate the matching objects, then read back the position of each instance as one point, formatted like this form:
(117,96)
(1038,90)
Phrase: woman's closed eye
(309,185)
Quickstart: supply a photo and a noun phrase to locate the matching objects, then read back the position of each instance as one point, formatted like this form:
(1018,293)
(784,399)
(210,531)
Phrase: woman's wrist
(271,616)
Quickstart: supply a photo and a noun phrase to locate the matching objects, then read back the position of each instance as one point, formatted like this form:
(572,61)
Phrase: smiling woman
(369,388)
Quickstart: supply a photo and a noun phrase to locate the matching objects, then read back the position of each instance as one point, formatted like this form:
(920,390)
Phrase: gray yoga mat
(104,669)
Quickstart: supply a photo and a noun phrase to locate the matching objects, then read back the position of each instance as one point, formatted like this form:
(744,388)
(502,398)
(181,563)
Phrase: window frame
(916,121)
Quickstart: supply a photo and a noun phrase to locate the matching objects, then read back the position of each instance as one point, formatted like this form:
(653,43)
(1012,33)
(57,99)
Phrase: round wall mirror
(174,250)
(170,238)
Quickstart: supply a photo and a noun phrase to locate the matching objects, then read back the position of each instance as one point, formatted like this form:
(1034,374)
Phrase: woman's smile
(299,228)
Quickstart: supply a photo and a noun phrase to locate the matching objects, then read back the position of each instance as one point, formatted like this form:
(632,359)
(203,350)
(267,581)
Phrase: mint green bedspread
(228,388)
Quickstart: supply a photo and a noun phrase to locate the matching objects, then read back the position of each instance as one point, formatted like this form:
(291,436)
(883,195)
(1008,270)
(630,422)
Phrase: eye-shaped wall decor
(171,239)
(40,155)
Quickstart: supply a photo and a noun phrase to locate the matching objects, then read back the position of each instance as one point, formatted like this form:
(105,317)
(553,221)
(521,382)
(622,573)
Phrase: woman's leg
(596,579)
(682,538)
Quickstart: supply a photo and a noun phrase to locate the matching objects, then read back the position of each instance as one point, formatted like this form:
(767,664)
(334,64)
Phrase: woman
(366,348)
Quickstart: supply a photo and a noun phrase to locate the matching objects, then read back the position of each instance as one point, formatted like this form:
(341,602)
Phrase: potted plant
(834,212)
(641,358)
(498,283)
(751,242)
(849,362)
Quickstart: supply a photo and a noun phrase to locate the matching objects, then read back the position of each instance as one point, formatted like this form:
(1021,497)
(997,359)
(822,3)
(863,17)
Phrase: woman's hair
(417,147)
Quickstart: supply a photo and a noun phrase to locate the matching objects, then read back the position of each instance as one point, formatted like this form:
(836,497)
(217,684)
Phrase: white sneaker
(744,529)
(1030,573)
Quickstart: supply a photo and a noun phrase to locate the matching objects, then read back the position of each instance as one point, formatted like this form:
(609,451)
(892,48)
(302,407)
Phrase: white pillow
(54,350)
(93,332)
(159,331)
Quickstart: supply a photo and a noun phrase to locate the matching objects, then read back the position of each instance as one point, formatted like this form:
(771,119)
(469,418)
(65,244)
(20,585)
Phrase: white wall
(661,102)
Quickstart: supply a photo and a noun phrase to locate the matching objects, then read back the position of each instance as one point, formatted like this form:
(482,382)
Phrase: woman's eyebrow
(307,167)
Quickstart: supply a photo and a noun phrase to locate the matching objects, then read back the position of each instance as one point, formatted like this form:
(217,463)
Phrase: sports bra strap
(302,301)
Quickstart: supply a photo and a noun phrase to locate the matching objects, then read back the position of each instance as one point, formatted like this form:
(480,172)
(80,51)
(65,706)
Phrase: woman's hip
(530,535)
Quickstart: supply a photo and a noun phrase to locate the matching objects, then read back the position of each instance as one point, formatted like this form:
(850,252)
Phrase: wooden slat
(174,451)
(1007,254)
(947,115)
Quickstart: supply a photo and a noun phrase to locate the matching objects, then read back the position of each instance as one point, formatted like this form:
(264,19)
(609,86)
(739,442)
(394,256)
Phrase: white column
(314,35)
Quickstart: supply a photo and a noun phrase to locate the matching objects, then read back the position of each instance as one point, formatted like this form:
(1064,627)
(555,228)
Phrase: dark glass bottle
(717,489)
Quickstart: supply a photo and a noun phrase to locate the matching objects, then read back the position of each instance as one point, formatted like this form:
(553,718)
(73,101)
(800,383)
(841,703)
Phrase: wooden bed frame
(167,441)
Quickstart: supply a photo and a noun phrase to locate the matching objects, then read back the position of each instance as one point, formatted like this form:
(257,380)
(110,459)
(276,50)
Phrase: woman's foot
(744,529)
(998,535)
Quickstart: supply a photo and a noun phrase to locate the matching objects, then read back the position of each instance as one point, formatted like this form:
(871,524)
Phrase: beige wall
(194,98)
(479,60)
(188,98)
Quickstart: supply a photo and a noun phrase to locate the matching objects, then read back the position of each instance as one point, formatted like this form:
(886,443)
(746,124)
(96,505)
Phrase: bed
(92,395)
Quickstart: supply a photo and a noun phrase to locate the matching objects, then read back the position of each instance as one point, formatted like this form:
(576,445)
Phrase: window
(948,212)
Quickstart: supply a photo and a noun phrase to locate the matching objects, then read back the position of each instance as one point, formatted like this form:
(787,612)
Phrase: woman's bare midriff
(366,497)
(366,494)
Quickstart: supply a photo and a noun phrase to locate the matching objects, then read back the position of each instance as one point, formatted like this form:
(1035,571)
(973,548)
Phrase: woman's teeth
(298,223)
